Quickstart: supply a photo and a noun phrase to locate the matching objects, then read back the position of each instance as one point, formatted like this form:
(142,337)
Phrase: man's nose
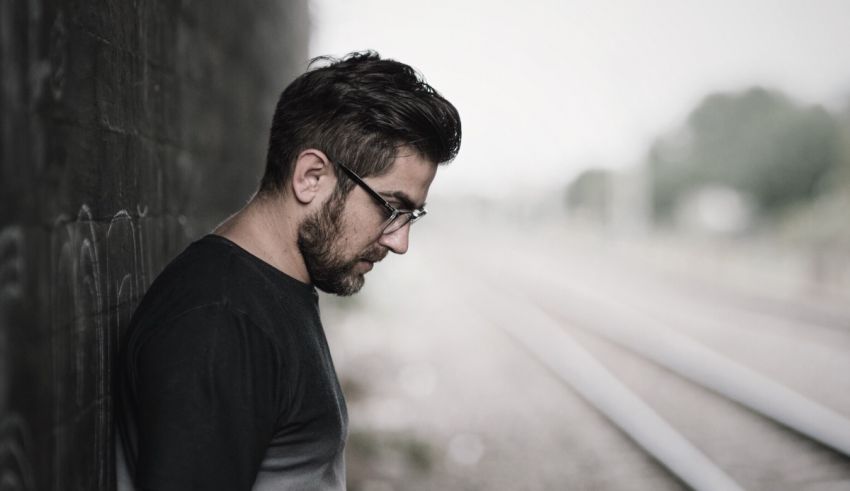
(396,241)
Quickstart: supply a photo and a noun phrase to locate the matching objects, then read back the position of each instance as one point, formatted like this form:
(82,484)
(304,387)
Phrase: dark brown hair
(359,109)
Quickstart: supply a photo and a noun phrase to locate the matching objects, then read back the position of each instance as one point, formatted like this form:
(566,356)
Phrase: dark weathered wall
(128,128)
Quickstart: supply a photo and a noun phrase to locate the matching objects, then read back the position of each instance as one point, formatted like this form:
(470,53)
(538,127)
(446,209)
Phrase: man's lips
(370,260)
(376,257)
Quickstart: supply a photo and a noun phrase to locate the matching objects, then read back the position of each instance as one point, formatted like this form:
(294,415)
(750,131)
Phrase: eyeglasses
(396,218)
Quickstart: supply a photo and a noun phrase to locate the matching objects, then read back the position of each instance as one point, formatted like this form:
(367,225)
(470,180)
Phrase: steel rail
(549,344)
(630,328)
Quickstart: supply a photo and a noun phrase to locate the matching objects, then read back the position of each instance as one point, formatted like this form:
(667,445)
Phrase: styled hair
(361,110)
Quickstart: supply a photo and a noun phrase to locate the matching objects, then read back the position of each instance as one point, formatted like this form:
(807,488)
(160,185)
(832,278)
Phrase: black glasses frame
(397,218)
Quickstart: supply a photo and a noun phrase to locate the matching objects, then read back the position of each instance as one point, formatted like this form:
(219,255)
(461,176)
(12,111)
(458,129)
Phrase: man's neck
(268,229)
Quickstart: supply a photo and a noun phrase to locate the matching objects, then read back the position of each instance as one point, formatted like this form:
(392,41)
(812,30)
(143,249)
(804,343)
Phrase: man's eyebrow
(403,198)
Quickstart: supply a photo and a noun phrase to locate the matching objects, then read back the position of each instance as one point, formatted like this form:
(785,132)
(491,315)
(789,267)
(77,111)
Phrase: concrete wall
(126,129)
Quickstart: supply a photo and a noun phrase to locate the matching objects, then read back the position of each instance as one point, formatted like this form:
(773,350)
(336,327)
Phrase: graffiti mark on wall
(11,289)
(98,273)
(15,441)
(123,265)
(11,264)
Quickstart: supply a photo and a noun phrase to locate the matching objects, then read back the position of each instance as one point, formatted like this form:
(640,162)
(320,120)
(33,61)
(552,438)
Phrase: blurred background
(635,275)
(646,228)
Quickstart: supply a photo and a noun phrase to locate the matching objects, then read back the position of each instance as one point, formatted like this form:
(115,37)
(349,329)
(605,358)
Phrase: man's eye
(386,212)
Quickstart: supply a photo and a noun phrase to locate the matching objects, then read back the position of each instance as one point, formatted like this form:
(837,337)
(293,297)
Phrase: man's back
(227,379)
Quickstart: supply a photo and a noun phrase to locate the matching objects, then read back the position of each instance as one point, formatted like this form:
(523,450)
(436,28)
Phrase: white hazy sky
(546,88)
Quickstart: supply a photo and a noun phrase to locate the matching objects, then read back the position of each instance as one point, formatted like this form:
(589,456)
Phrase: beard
(319,238)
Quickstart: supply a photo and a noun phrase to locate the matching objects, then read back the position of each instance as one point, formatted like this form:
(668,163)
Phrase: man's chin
(346,286)
(363,266)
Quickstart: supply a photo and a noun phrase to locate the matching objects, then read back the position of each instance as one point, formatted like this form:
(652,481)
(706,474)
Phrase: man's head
(359,110)
(380,131)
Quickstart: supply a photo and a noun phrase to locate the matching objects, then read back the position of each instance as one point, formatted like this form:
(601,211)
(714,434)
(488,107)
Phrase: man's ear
(312,176)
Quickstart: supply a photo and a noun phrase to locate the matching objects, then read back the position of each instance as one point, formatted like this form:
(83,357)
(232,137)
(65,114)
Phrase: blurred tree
(842,176)
(758,142)
(589,195)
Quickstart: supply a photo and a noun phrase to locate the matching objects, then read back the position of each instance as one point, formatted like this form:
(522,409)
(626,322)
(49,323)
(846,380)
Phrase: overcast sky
(546,88)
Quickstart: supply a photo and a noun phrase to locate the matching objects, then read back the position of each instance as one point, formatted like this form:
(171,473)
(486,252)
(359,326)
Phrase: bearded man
(227,382)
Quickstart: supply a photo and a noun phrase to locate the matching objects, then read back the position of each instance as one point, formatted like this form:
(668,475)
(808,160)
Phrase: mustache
(375,255)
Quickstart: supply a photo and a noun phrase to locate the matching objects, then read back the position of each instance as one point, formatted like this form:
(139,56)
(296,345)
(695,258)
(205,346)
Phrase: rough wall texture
(126,130)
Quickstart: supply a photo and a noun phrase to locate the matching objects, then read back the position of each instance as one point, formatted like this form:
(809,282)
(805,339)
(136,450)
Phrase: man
(227,382)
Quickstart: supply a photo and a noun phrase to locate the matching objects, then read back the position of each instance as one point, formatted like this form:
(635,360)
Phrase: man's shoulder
(214,271)
(202,274)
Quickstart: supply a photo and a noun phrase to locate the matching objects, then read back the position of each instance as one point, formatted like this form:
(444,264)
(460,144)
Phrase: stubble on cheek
(321,246)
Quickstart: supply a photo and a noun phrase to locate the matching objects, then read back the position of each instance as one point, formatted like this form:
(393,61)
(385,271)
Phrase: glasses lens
(400,220)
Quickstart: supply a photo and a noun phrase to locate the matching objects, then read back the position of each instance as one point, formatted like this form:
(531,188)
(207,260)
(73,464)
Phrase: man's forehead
(411,165)
(406,200)
(407,180)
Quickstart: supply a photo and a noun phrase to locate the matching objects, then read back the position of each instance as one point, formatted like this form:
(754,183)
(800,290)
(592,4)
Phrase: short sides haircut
(359,110)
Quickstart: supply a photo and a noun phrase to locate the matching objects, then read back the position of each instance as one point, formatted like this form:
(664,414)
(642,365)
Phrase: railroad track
(581,328)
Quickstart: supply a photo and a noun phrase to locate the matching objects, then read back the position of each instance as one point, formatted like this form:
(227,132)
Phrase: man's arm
(207,395)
